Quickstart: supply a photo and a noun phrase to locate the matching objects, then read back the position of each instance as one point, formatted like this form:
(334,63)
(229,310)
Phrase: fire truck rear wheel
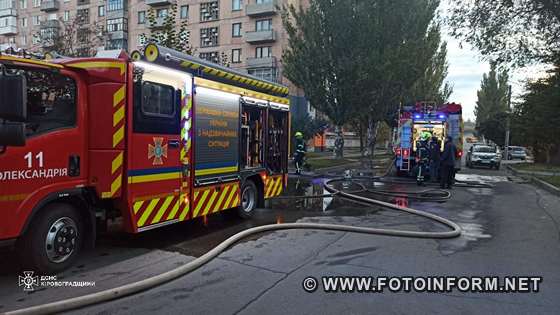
(54,241)
(249,199)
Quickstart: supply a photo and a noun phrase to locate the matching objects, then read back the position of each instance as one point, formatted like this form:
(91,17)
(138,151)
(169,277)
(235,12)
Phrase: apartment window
(184,11)
(212,56)
(12,40)
(209,37)
(101,10)
(36,20)
(52,17)
(36,3)
(114,5)
(236,5)
(209,11)
(263,25)
(263,52)
(236,30)
(235,55)
(23,40)
(161,13)
(23,4)
(268,74)
(141,17)
(115,25)
(23,22)
(66,16)
(83,16)
(263,1)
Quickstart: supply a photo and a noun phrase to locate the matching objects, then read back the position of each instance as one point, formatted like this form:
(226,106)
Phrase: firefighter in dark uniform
(423,154)
(448,163)
(299,155)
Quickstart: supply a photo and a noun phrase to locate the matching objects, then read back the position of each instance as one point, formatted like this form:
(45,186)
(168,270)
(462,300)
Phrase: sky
(466,68)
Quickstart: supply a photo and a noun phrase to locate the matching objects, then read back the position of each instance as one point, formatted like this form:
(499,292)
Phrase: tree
(516,32)
(320,58)
(492,105)
(536,118)
(72,38)
(164,31)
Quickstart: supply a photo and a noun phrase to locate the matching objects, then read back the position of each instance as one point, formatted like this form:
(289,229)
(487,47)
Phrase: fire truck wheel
(54,241)
(249,199)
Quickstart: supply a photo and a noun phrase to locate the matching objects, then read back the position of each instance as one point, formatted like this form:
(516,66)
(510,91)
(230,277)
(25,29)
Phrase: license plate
(485,161)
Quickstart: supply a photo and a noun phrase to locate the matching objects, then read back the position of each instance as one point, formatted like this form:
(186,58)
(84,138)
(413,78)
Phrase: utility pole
(508,123)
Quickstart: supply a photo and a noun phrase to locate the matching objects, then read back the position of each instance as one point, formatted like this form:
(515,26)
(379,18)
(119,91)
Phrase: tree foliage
(164,31)
(536,119)
(72,38)
(492,105)
(509,31)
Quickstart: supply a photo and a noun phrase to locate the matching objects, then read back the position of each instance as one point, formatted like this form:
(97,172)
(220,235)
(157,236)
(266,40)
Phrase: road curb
(536,181)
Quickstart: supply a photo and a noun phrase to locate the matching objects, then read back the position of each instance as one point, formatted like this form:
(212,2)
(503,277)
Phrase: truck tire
(54,239)
(249,200)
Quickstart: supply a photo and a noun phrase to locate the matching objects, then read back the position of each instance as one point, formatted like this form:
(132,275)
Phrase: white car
(483,155)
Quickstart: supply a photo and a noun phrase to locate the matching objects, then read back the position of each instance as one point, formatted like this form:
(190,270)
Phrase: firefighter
(423,154)
(448,163)
(435,152)
(299,155)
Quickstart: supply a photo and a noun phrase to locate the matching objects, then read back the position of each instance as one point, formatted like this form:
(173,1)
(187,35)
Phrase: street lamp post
(506,142)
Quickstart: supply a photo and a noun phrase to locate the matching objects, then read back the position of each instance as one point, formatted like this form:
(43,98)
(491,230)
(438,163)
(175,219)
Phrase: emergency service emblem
(28,281)
(157,151)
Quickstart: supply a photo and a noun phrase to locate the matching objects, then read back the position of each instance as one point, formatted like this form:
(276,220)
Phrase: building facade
(248,33)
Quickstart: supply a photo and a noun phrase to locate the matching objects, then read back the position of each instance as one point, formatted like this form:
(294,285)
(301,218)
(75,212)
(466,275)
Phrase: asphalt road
(511,229)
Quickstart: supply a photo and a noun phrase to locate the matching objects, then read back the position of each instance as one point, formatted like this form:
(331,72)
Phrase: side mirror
(12,134)
(13,97)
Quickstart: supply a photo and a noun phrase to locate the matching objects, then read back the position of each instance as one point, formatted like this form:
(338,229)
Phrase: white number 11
(29,158)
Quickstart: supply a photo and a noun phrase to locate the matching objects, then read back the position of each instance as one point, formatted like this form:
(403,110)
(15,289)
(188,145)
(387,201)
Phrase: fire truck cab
(156,139)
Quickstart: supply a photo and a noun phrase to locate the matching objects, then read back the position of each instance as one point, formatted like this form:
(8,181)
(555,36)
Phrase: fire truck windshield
(51,100)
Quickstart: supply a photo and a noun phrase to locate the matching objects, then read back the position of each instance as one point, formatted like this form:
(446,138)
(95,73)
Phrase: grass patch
(536,167)
(553,180)
(327,162)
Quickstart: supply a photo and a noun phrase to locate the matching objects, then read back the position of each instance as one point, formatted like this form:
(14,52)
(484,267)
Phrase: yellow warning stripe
(100,64)
(230,197)
(210,202)
(117,163)
(147,212)
(174,210)
(200,202)
(162,210)
(186,208)
(153,178)
(118,116)
(223,194)
(118,96)
(137,206)
(118,136)
(211,171)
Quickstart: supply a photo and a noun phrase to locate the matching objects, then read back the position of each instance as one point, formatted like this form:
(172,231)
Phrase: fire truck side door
(155,169)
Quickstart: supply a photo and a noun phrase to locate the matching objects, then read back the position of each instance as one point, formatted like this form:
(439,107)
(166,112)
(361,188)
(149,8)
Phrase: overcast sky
(466,68)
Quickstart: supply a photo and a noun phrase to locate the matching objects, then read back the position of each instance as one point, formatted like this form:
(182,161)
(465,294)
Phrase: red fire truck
(156,139)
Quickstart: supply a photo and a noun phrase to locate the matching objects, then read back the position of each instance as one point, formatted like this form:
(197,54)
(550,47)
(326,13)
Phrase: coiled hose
(149,283)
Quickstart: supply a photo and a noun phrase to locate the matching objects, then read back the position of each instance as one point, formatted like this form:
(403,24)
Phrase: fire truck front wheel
(249,199)
(54,240)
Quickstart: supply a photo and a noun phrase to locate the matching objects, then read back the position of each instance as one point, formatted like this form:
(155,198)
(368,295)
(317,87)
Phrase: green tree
(516,32)
(491,106)
(536,118)
(164,31)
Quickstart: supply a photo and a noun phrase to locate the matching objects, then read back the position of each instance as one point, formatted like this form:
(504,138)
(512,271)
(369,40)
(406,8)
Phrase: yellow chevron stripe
(117,162)
(99,64)
(233,192)
(235,201)
(210,203)
(118,96)
(118,116)
(200,202)
(223,194)
(118,136)
(162,210)
(185,212)
(269,187)
(278,187)
(137,206)
(147,212)
(116,184)
(174,210)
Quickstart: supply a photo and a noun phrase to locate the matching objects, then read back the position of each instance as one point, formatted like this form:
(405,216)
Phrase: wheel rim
(248,199)
(61,240)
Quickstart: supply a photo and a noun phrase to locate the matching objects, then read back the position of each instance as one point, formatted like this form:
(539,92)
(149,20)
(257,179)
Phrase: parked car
(483,155)
(515,152)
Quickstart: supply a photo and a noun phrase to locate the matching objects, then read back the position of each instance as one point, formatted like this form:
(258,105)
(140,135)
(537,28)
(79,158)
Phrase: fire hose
(152,282)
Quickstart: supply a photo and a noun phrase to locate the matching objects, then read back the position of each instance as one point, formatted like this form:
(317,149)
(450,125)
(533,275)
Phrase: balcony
(49,5)
(260,37)
(262,9)
(118,35)
(8,30)
(50,24)
(83,2)
(155,3)
(266,62)
(8,12)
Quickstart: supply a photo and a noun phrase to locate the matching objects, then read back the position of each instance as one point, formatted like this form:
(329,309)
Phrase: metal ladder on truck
(406,138)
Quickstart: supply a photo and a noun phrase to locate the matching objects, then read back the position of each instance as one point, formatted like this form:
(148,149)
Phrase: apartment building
(248,32)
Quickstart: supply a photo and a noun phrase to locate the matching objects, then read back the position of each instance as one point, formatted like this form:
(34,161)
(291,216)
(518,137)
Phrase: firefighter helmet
(299,135)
